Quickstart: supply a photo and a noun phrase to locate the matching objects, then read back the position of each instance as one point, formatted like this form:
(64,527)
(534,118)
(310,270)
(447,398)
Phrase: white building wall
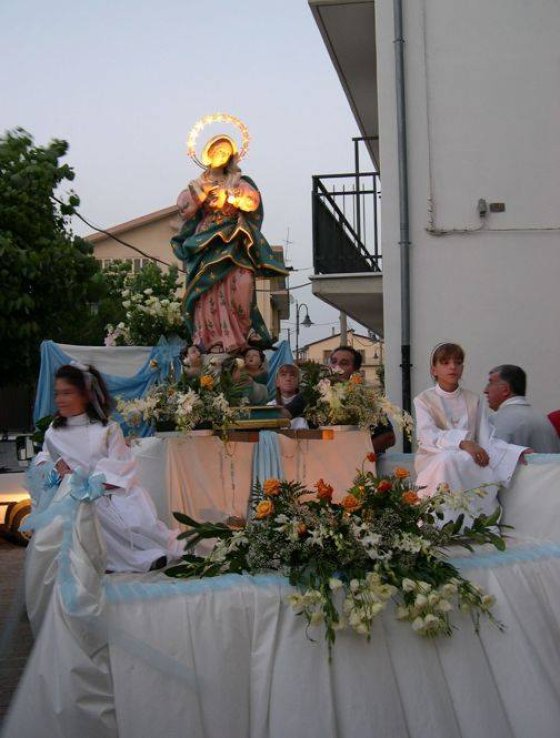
(483,113)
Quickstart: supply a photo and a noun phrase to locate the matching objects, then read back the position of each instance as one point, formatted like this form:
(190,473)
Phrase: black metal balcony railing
(346,222)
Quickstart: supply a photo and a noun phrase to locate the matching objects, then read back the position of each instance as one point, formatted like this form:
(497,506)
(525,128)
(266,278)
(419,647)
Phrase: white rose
(421,600)
(148,291)
(125,293)
(431,621)
(120,326)
(126,303)
(408,585)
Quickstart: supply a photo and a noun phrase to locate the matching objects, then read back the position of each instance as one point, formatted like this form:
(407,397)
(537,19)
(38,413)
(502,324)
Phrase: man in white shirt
(515,421)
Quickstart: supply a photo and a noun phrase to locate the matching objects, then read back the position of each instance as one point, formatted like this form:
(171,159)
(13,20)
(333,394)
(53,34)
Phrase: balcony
(347,257)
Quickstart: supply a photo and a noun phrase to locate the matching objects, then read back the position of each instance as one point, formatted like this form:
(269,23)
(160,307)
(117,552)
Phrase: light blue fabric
(267,464)
(82,489)
(40,483)
(282,355)
(543,458)
(86,488)
(165,354)
(514,555)
(164,587)
(267,461)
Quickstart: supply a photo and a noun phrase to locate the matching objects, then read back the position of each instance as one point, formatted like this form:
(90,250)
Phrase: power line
(155,258)
(119,240)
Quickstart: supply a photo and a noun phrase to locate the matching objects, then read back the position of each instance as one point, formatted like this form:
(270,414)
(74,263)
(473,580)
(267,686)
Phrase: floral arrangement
(333,401)
(151,311)
(212,400)
(348,559)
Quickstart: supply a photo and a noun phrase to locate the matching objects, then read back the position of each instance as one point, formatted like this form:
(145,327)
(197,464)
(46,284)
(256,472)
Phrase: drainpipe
(404,242)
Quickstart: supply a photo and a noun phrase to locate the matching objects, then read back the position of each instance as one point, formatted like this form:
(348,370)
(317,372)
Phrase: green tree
(47,273)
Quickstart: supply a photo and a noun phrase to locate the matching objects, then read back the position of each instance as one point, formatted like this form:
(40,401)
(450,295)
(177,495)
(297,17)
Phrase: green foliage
(144,304)
(380,371)
(348,559)
(47,273)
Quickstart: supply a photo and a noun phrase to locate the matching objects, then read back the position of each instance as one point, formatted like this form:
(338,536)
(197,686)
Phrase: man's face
(342,362)
(497,390)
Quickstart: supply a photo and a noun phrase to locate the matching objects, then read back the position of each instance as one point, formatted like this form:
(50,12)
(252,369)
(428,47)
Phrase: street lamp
(306,322)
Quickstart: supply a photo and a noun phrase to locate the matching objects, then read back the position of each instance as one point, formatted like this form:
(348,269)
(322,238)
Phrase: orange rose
(207,381)
(264,509)
(355,379)
(302,529)
(324,491)
(384,486)
(271,487)
(410,497)
(371,457)
(351,503)
(400,472)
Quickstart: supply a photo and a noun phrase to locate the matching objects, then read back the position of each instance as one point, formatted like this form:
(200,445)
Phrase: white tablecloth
(227,656)
(210,480)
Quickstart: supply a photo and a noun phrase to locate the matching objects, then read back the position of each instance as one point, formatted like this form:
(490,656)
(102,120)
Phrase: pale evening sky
(123,82)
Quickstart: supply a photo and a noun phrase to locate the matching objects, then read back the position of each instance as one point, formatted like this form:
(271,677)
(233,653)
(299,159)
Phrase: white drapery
(228,657)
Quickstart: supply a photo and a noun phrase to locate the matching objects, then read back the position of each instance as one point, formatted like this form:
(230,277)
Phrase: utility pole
(343,329)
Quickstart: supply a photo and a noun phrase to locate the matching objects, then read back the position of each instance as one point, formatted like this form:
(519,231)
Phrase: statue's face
(219,154)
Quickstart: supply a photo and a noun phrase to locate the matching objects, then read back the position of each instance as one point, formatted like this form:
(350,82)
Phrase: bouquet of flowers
(348,559)
(333,401)
(152,308)
(212,400)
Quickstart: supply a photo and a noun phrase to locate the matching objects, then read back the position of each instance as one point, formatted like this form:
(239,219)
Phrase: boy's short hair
(446,351)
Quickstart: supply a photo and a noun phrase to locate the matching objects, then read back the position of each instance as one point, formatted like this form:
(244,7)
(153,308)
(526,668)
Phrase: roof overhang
(360,296)
(348,31)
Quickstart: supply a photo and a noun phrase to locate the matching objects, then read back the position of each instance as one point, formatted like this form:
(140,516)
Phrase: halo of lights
(199,126)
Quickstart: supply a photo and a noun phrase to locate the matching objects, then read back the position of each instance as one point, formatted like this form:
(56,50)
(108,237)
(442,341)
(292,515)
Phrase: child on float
(191,359)
(455,438)
(81,437)
(255,364)
(254,392)
(289,397)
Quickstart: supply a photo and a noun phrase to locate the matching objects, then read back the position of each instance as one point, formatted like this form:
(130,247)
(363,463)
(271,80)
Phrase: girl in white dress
(81,437)
(455,439)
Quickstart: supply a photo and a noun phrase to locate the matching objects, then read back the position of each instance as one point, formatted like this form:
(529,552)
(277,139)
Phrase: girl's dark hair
(75,377)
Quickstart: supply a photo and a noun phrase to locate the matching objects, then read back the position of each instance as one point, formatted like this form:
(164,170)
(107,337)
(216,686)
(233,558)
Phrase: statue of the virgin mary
(223,250)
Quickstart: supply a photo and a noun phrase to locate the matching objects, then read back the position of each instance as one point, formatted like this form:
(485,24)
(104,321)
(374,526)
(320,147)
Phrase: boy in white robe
(455,438)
